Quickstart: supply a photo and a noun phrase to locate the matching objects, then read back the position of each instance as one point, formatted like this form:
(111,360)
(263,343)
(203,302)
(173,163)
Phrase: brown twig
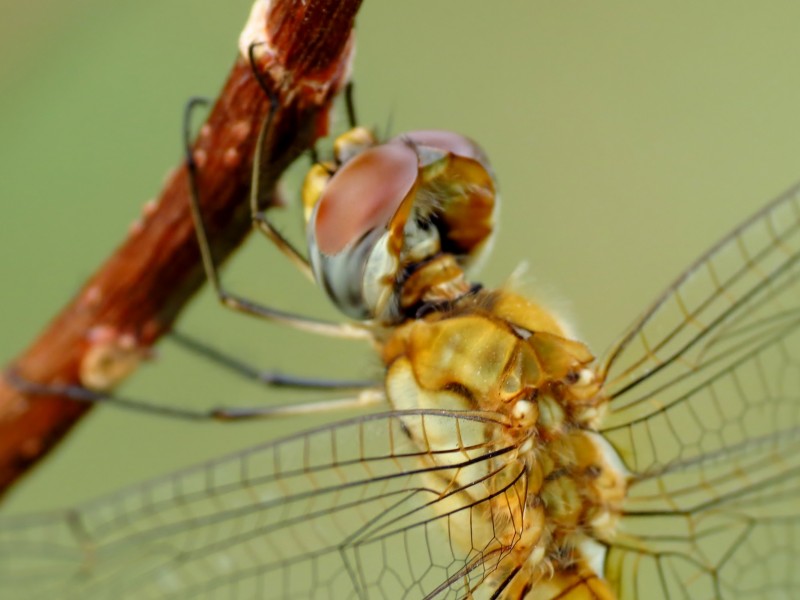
(135,296)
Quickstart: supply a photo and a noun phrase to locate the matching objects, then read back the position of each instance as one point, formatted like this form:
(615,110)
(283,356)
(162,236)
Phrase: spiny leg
(350,105)
(258,202)
(236,302)
(267,377)
(239,303)
(363,397)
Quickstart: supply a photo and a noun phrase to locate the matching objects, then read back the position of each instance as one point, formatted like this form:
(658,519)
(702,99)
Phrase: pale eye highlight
(447,141)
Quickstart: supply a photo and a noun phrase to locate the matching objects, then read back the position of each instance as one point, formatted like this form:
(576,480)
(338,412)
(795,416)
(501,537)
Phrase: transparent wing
(705,414)
(354,509)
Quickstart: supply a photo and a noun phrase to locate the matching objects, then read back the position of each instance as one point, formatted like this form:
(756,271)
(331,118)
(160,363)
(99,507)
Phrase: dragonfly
(506,461)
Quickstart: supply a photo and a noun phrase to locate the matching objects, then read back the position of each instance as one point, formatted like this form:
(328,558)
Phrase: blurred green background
(626,136)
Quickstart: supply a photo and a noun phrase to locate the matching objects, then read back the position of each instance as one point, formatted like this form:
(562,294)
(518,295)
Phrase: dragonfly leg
(266,377)
(360,398)
(365,398)
(233,301)
(259,193)
(350,105)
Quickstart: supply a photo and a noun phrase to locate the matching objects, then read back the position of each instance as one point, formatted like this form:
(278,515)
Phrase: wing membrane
(355,509)
(705,414)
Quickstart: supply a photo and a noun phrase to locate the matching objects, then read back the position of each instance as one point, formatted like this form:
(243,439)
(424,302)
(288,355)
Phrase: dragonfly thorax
(391,227)
(497,352)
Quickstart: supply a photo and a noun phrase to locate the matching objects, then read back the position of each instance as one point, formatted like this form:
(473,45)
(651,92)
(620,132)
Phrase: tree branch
(304,51)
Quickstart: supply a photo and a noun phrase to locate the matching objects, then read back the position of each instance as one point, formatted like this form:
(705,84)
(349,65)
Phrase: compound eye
(446,141)
(364,194)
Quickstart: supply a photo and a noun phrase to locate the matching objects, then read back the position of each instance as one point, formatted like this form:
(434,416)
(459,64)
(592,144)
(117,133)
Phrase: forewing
(354,509)
(705,414)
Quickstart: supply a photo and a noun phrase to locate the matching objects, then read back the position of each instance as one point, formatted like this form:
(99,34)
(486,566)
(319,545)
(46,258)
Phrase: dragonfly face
(392,226)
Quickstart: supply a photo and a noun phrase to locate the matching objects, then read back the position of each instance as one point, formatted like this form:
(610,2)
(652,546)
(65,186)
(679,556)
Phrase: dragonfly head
(392,226)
